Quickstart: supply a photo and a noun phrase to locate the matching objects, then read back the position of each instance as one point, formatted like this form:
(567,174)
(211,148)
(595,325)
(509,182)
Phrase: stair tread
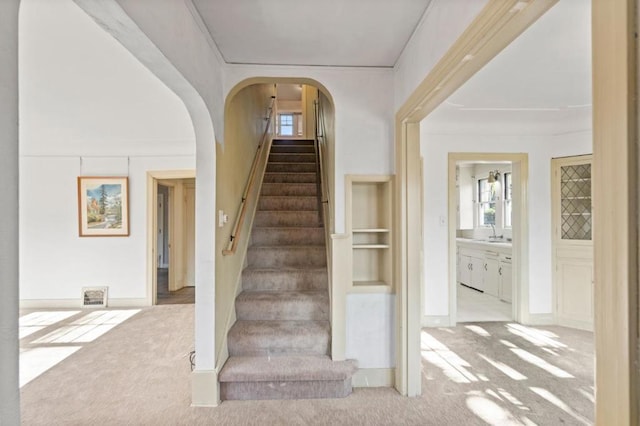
(290,211)
(285,269)
(286,173)
(279,228)
(281,296)
(285,368)
(291,162)
(289,196)
(288,246)
(280,327)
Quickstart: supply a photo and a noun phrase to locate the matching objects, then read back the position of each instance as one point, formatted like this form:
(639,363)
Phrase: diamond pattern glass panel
(575,195)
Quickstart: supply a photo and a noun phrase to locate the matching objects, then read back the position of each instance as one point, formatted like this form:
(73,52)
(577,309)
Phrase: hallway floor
(132,367)
(166,297)
(476,306)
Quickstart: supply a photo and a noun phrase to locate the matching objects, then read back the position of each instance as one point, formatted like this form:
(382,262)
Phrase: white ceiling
(543,76)
(289,92)
(311,32)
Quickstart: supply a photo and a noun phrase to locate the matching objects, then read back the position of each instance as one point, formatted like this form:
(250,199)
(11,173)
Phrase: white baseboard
(436,321)
(205,390)
(539,319)
(77,303)
(374,378)
(571,323)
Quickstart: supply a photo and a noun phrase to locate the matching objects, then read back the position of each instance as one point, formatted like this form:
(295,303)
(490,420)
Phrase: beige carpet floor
(138,373)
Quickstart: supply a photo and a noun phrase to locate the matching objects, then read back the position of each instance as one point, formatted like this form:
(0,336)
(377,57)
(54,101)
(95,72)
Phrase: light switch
(222,218)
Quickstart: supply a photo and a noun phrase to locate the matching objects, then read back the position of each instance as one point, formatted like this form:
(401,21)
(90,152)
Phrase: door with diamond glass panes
(572,241)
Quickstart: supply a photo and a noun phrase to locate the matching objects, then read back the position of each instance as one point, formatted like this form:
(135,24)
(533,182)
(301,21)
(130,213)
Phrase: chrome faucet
(494,236)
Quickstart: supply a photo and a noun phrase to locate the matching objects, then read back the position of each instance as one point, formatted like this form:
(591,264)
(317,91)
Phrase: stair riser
(291,167)
(289,178)
(274,257)
(287,236)
(275,203)
(274,338)
(285,390)
(256,280)
(289,189)
(286,219)
(292,158)
(287,142)
(311,308)
(293,149)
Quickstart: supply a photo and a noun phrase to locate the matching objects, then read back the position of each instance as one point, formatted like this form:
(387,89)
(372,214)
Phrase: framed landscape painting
(103,206)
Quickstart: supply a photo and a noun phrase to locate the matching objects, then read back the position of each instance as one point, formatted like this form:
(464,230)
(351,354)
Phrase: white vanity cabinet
(506,280)
(491,274)
(485,266)
(471,268)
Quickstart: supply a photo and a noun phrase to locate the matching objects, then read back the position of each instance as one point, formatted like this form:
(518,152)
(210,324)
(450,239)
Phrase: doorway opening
(488,219)
(171,242)
(483,205)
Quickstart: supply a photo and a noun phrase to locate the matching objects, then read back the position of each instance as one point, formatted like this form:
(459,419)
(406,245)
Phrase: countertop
(485,243)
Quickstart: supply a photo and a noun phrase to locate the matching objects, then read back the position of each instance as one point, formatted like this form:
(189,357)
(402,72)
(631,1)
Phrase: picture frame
(103,206)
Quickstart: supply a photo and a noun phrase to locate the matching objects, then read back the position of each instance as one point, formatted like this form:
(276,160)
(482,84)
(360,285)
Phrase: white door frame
(152,225)
(495,27)
(520,229)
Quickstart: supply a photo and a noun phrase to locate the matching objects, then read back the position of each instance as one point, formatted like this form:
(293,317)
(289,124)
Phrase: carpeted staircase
(280,344)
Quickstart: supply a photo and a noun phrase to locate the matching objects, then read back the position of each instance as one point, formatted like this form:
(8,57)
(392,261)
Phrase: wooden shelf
(370,216)
(370,287)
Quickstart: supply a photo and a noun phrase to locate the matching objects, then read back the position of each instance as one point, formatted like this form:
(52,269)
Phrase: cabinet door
(477,273)
(573,245)
(575,296)
(491,276)
(506,284)
(464,270)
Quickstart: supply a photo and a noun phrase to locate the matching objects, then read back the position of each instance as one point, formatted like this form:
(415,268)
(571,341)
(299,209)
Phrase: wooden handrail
(237,227)
(323,193)
(316,145)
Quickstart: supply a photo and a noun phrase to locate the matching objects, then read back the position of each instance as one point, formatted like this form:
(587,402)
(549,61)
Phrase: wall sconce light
(494,176)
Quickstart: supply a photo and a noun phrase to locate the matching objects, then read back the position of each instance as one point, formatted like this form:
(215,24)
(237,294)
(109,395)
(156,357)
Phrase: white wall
(442,24)
(363,102)
(88,107)
(540,149)
(370,330)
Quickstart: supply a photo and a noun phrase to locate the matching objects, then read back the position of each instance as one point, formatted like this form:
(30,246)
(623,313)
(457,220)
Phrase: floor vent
(94,297)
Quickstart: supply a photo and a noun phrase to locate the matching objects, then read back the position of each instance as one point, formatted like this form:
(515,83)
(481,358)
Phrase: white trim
(437,321)
(373,378)
(519,222)
(205,390)
(152,224)
(340,281)
(77,303)
(495,27)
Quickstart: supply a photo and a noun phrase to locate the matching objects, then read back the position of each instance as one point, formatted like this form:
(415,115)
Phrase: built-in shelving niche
(370,217)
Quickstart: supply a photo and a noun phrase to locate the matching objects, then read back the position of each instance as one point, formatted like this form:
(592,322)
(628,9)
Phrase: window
(486,203)
(508,204)
(285,125)
(290,124)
